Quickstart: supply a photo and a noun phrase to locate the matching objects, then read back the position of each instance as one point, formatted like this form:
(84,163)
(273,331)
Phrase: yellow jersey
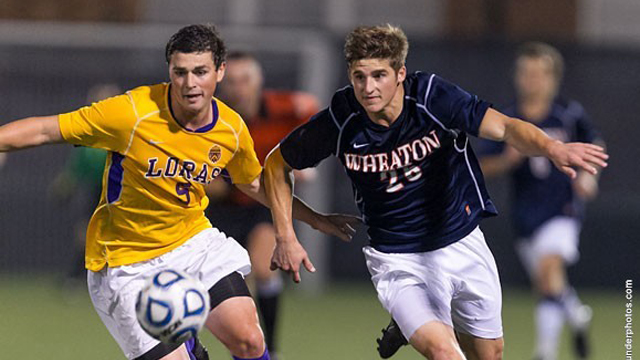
(153,187)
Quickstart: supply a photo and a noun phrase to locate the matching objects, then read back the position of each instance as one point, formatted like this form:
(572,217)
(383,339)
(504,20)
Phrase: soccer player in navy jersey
(547,205)
(403,141)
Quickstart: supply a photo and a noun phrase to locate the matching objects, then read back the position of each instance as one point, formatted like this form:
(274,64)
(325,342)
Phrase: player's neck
(192,120)
(391,112)
(535,109)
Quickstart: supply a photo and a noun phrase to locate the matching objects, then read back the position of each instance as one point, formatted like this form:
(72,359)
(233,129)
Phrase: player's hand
(585,156)
(288,255)
(338,225)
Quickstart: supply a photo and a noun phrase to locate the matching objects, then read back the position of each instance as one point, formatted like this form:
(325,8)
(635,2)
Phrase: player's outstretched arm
(531,141)
(278,180)
(30,132)
(338,225)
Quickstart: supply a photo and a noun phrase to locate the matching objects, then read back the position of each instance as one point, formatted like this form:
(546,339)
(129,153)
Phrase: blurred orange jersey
(153,196)
(280,113)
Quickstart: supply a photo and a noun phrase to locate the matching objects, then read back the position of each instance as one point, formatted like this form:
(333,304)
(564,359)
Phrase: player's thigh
(260,243)
(411,287)
(115,304)
(550,277)
(477,348)
(436,340)
(235,321)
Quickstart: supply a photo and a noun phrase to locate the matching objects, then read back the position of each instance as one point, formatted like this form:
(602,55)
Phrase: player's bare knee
(444,352)
(441,350)
(494,352)
(250,344)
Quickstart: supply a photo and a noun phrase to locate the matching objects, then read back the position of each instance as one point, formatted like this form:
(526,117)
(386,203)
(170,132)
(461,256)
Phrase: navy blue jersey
(417,182)
(540,190)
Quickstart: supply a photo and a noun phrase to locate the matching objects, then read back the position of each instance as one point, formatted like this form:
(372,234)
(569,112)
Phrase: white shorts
(209,256)
(457,285)
(558,236)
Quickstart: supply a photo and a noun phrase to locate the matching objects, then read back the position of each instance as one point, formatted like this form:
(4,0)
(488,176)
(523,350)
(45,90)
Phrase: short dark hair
(197,39)
(536,50)
(377,42)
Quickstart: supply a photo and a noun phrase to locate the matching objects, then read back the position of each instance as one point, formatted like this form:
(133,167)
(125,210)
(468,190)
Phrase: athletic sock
(268,301)
(264,356)
(549,322)
(578,315)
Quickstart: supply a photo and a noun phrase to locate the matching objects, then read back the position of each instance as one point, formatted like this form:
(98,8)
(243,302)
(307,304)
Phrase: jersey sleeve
(454,107)
(244,167)
(106,124)
(311,142)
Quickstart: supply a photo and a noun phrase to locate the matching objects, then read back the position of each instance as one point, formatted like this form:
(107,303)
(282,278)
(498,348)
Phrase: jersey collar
(203,129)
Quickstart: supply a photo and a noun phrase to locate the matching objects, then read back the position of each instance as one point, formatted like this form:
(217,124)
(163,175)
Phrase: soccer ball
(172,306)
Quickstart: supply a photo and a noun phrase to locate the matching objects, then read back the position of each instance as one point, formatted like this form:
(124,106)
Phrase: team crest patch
(215,153)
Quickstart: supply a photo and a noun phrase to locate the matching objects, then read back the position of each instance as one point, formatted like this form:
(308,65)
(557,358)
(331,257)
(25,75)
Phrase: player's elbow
(494,125)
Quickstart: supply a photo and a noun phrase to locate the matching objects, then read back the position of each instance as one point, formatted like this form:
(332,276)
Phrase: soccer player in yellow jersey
(165,143)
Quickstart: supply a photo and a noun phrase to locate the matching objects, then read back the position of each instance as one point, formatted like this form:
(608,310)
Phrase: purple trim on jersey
(200,130)
(264,356)
(226,176)
(214,120)
(116,172)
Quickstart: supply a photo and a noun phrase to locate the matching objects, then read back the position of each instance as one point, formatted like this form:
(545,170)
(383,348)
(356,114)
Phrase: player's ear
(402,74)
(220,72)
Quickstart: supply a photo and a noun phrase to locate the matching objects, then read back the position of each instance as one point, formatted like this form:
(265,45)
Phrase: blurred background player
(82,178)
(547,206)
(270,115)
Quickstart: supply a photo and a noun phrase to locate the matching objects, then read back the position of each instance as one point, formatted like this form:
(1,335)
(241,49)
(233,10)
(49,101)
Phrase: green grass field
(39,321)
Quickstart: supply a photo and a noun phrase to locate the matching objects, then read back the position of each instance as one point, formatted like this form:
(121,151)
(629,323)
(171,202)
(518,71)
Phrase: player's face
(242,86)
(193,80)
(376,84)
(535,78)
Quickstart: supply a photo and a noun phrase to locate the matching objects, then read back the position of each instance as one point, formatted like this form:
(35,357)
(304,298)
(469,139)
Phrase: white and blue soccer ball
(172,306)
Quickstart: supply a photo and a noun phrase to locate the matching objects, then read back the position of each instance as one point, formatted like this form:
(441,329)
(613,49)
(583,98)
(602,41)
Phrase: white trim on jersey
(475,181)
(138,120)
(340,128)
(235,134)
(424,107)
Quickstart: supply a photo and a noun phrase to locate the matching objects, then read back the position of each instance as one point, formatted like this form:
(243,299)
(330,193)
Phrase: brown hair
(540,50)
(197,38)
(377,42)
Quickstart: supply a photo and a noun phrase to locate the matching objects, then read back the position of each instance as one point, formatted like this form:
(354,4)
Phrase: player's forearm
(29,132)
(278,181)
(528,138)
